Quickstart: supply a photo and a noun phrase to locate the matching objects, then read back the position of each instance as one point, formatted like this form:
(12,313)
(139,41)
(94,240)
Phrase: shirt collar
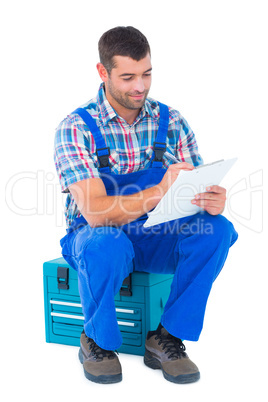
(106,110)
(108,113)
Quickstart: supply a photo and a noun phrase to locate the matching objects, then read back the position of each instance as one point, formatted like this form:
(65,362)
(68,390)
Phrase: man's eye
(127,79)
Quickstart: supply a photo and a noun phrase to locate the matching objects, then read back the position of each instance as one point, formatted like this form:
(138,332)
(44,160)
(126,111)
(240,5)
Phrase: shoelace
(98,352)
(173,345)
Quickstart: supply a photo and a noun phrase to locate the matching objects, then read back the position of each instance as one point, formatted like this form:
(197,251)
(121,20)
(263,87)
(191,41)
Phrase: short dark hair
(122,41)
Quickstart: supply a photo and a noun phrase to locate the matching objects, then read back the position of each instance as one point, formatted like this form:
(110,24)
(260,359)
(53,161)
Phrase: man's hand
(213,201)
(171,175)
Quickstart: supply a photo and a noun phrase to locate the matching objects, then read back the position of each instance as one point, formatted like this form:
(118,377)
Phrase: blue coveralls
(194,249)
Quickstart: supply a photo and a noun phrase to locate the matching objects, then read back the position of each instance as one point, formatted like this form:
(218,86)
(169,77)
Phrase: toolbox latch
(126,287)
(63,278)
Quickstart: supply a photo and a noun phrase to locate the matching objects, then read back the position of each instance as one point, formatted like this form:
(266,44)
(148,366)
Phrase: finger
(209,203)
(210,196)
(216,189)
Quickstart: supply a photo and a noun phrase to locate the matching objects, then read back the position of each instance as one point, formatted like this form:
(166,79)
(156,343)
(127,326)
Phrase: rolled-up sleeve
(73,156)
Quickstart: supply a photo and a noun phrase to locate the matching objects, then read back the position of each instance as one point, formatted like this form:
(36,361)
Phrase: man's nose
(139,85)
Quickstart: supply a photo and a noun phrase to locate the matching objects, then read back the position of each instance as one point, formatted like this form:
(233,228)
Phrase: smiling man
(109,156)
(127,85)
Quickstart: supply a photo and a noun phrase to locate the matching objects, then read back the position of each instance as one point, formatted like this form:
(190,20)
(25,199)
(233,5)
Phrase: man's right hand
(172,174)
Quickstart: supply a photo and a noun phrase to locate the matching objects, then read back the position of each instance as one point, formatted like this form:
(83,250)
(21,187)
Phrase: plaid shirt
(131,146)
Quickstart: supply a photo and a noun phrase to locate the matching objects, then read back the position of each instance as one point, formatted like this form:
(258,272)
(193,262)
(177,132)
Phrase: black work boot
(166,352)
(101,366)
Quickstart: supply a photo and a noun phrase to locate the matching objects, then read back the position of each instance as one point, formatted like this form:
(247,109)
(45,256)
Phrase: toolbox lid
(138,278)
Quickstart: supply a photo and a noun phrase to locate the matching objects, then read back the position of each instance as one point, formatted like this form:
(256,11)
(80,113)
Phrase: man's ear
(102,72)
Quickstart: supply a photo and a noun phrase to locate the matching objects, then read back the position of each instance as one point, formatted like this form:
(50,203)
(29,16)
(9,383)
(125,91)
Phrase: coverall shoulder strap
(102,150)
(160,142)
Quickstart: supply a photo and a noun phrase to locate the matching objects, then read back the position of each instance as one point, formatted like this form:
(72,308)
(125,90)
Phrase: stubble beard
(124,100)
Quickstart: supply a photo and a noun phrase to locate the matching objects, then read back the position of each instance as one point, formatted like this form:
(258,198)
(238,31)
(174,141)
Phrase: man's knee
(108,245)
(107,259)
(220,228)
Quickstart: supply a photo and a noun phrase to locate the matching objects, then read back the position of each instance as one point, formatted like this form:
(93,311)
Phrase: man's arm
(99,209)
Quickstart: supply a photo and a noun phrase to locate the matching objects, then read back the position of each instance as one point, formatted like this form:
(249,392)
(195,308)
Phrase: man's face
(129,82)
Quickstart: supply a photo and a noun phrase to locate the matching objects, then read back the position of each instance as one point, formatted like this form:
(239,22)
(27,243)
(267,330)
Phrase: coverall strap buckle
(159,150)
(103,156)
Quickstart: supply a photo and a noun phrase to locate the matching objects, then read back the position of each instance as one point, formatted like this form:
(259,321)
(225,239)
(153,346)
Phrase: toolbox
(139,306)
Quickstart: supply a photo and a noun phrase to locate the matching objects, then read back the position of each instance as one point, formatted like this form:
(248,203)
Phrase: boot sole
(101,379)
(155,364)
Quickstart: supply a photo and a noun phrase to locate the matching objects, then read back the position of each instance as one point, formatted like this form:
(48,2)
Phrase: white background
(210,62)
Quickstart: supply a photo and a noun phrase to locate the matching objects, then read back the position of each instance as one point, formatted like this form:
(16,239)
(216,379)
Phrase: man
(109,155)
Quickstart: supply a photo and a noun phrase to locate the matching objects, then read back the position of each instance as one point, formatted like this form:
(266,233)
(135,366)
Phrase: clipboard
(176,203)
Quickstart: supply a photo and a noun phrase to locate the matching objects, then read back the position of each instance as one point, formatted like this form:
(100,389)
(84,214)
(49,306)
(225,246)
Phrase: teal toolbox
(139,306)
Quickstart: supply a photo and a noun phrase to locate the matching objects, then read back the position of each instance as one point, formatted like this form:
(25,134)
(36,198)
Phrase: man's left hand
(213,201)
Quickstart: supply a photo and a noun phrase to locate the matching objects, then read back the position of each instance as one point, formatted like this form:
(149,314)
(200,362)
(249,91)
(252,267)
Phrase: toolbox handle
(71,304)
(126,287)
(63,277)
(81,317)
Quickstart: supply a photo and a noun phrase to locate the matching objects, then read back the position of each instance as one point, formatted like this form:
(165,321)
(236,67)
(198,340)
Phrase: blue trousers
(194,249)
